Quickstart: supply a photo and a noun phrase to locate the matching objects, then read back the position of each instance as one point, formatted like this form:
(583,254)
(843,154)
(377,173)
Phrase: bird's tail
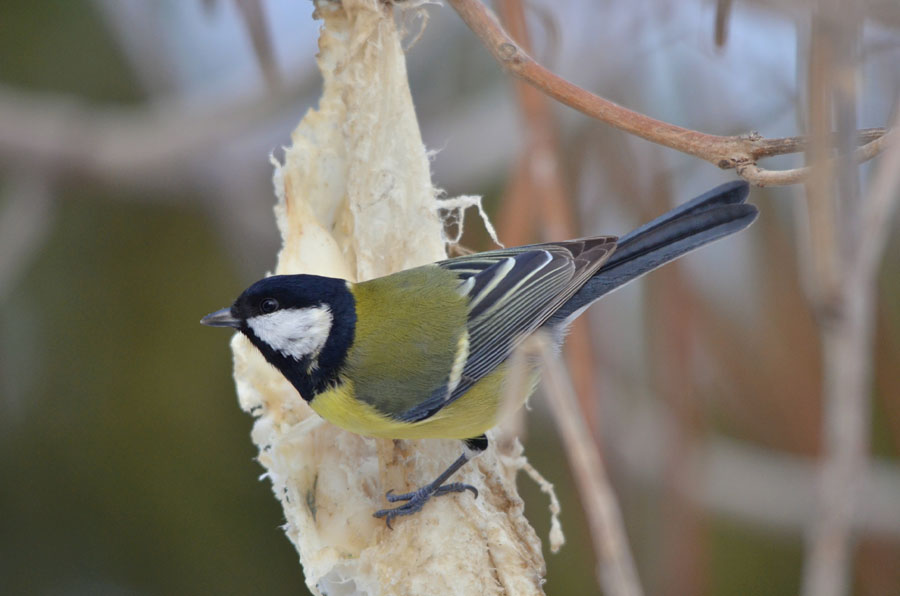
(715,214)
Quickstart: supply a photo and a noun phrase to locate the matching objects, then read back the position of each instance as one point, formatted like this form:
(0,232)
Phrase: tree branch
(739,152)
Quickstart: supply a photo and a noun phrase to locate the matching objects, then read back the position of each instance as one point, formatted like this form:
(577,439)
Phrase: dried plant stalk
(616,572)
(848,233)
(356,201)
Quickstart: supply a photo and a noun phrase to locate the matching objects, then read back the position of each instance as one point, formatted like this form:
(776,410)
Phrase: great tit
(423,353)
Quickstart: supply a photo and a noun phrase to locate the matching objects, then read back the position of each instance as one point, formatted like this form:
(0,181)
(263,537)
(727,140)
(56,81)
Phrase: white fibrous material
(355,200)
(453,208)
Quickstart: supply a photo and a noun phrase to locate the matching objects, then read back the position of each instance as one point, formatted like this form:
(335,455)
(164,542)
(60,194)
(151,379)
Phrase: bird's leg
(417,499)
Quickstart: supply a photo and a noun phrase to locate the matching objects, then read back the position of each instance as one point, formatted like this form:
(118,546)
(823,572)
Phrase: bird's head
(301,323)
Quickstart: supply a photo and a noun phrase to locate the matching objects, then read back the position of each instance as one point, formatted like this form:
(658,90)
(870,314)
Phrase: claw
(392,498)
(456,487)
(417,499)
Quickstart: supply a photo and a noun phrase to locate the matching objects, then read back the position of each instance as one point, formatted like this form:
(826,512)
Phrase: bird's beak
(221,318)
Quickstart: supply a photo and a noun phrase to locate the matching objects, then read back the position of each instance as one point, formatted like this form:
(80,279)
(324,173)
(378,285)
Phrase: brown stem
(739,152)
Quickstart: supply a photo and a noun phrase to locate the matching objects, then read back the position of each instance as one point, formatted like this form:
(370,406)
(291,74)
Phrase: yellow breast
(470,415)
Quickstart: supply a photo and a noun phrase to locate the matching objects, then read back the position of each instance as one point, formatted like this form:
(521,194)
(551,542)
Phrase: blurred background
(135,197)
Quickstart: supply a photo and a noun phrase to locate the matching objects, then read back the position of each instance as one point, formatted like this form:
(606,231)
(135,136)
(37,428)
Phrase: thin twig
(879,207)
(615,565)
(727,152)
(763,177)
(254,17)
(723,13)
(788,145)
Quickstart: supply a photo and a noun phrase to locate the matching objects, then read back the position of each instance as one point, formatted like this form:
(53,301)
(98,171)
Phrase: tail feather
(713,215)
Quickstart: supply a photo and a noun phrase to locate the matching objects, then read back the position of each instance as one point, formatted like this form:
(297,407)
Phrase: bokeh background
(135,197)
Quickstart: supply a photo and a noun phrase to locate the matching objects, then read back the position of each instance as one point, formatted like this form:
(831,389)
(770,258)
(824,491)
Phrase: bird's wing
(511,293)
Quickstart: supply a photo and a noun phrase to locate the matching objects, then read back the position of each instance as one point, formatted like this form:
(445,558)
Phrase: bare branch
(727,152)
(615,565)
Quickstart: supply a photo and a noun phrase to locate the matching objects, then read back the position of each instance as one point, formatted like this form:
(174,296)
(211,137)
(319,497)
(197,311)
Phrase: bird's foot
(417,499)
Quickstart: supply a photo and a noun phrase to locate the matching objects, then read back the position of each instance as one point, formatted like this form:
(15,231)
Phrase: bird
(425,352)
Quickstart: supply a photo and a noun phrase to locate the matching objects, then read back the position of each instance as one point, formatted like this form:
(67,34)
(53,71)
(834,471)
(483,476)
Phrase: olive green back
(407,333)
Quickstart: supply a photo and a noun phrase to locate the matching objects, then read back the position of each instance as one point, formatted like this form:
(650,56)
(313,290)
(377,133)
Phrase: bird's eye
(268,305)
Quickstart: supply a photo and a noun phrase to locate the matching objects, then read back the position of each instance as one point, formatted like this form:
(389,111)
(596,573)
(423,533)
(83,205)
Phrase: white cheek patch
(295,332)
